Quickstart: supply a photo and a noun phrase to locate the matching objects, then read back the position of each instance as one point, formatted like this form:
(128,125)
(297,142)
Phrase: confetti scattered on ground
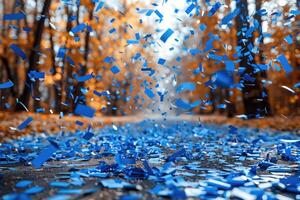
(153,159)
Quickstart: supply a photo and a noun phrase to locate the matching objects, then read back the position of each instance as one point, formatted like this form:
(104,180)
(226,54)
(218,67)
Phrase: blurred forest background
(108,55)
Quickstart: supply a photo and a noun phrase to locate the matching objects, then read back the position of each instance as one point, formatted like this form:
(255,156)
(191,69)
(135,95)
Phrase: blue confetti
(182,104)
(115,69)
(132,41)
(230,16)
(23,183)
(13,16)
(289,39)
(214,9)
(187,86)
(190,8)
(229,65)
(45,155)
(223,79)
(7,84)
(284,63)
(17,50)
(78,28)
(149,93)
(84,110)
(25,123)
(84,78)
(166,35)
(161,61)
(99,6)
(36,75)
(34,190)
(59,184)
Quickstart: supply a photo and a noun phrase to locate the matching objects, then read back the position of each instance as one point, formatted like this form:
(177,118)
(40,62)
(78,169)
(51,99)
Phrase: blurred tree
(34,56)
(252,93)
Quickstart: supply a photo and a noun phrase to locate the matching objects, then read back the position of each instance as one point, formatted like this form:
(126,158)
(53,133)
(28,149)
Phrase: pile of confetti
(152,159)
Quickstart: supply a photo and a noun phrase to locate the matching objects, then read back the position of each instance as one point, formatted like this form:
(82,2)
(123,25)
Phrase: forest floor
(53,123)
(133,158)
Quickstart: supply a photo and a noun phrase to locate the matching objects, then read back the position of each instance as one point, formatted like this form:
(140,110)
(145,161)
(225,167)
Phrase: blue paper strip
(36,75)
(132,41)
(187,86)
(149,93)
(285,64)
(190,8)
(182,104)
(44,155)
(78,28)
(166,35)
(23,183)
(230,16)
(84,110)
(214,9)
(158,14)
(99,6)
(14,16)
(84,78)
(25,123)
(17,50)
(7,84)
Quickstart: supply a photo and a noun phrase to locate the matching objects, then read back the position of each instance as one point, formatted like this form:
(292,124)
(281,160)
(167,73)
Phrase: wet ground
(152,160)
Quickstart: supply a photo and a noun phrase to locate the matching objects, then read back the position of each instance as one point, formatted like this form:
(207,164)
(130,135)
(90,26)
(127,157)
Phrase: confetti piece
(7,84)
(59,184)
(78,28)
(132,41)
(182,104)
(202,27)
(229,65)
(223,79)
(166,35)
(187,86)
(84,78)
(113,30)
(17,50)
(61,52)
(289,39)
(149,93)
(79,123)
(230,16)
(158,14)
(161,61)
(114,183)
(297,85)
(190,8)
(13,16)
(84,111)
(23,183)
(99,6)
(25,123)
(214,9)
(34,190)
(36,75)
(109,59)
(115,69)
(45,155)
(284,63)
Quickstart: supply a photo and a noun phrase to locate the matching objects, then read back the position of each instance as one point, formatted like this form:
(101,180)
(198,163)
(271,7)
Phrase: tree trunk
(34,55)
(251,91)
(78,96)
(261,58)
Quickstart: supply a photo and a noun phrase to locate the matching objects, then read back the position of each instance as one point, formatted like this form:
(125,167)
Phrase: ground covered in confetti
(151,160)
